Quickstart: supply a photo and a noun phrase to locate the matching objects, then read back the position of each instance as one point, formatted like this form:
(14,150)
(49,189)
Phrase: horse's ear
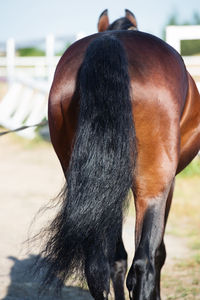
(103,21)
(131,17)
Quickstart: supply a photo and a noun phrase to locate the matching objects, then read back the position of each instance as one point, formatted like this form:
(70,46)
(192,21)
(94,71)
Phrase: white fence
(44,66)
(24,104)
(12,66)
(174,35)
(37,67)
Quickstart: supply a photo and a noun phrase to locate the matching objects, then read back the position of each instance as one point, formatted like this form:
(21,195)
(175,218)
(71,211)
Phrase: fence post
(10,59)
(50,42)
(172,38)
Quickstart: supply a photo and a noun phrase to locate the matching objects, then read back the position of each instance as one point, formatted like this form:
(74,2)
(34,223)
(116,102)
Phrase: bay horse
(124,114)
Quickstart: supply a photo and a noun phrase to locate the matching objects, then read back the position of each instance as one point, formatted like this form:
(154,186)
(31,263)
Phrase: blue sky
(32,19)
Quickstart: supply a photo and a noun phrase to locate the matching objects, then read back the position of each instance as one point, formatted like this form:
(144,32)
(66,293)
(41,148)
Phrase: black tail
(101,168)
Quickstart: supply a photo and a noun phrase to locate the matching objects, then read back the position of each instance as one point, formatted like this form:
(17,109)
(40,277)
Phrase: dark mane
(120,24)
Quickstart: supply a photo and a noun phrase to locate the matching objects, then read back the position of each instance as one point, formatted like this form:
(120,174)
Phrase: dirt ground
(30,177)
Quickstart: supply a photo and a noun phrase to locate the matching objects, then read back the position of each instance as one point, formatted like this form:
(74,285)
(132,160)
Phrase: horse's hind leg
(143,281)
(158,145)
(161,252)
(143,277)
(97,271)
(119,269)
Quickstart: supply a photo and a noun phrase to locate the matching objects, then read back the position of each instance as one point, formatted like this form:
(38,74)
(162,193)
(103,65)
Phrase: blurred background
(33,36)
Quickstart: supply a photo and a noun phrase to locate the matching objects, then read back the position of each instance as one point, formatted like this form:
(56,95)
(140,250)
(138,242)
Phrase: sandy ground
(30,177)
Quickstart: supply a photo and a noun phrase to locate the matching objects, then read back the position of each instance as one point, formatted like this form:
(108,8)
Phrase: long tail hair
(100,173)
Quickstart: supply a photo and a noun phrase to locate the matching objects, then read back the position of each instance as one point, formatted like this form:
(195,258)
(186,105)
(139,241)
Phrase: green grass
(30,51)
(181,280)
(193,169)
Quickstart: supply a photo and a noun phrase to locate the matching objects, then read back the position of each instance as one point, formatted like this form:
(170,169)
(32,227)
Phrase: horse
(124,114)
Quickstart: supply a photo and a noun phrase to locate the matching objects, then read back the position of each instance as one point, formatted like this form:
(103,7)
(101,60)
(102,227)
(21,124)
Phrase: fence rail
(20,61)
(25,104)
(37,67)
(11,65)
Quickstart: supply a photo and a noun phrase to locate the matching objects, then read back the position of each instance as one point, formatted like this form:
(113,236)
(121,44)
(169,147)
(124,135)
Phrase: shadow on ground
(24,286)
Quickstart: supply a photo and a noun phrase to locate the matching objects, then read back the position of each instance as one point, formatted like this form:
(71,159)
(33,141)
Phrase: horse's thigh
(62,126)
